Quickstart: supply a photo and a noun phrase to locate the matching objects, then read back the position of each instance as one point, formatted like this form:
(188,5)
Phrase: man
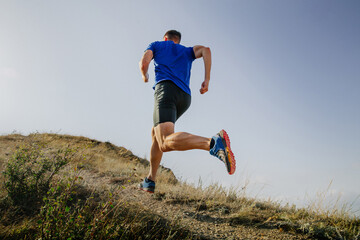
(172,98)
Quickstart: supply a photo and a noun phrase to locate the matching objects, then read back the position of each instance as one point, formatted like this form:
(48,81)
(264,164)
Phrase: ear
(166,39)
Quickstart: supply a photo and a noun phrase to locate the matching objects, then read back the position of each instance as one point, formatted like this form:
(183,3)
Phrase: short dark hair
(173,35)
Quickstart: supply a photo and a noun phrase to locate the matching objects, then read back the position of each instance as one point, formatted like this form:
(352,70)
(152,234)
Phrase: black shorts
(170,102)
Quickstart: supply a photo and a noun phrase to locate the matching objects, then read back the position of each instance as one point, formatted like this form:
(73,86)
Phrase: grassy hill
(66,187)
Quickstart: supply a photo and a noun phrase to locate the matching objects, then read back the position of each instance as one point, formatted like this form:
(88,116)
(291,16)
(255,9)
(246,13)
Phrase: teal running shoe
(147,185)
(220,148)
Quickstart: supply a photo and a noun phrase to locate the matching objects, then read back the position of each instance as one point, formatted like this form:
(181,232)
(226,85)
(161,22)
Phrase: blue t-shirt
(172,62)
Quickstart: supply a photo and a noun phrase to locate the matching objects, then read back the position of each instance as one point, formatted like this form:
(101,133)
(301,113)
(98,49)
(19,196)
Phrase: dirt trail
(206,224)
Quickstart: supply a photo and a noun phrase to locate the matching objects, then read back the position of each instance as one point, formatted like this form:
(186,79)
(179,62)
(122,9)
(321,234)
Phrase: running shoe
(220,148)
(147,185)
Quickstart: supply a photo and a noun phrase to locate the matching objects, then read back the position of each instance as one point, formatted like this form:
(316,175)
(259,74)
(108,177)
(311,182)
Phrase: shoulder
(185,48)
(154,43)
(152,46)
(190,52)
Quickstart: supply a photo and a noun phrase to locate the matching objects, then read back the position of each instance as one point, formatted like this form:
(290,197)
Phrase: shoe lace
(221,154)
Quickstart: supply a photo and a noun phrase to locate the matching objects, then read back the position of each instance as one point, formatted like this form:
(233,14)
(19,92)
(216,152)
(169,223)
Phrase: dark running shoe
(147,185)
(221,149)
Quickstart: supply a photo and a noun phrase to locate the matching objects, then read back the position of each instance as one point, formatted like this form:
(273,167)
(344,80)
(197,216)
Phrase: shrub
(29,172)
(65,216)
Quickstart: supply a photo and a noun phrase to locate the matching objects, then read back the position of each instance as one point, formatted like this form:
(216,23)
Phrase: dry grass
(227,206)
(92,180)
(108,171)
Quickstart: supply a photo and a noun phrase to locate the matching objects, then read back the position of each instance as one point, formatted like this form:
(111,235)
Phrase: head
(172,35)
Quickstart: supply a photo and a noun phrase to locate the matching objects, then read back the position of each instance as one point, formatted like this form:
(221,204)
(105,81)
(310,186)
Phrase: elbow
(207,50)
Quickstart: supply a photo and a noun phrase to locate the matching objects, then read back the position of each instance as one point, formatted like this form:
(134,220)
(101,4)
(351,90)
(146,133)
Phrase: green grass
(63,203)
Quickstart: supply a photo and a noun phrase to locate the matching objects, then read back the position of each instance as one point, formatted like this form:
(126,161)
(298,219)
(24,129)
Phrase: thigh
(164,103)
(183,104)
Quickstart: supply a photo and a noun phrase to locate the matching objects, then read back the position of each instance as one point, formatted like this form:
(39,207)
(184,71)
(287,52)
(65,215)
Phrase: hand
(145,77)
(204,87)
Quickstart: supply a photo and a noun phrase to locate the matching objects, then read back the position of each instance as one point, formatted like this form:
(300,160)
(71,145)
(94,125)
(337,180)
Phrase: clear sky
(285,84)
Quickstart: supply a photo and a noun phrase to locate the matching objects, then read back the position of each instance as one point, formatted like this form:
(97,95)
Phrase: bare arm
(205,53)
(144,64)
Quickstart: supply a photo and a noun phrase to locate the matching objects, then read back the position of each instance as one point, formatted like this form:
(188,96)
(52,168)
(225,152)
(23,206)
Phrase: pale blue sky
(285,84)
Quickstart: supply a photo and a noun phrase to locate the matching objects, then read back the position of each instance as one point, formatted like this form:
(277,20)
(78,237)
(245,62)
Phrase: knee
(164,147)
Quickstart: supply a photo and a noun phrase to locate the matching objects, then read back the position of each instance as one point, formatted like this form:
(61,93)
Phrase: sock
(148,180)
(212,143)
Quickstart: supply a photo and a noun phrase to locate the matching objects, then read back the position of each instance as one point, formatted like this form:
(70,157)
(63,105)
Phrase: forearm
(205,53)
(144,64)
(207,63)
(143,68)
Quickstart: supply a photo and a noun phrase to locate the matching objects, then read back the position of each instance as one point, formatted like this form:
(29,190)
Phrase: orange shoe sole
(230,154)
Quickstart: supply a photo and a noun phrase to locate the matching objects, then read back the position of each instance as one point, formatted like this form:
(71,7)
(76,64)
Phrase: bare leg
(155,157)
(180,141)
(164,140)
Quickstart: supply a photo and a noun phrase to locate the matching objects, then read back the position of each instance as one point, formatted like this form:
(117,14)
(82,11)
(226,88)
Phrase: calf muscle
(179,141)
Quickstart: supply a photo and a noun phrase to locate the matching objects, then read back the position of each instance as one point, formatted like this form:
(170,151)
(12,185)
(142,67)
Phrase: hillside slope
(176,210)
